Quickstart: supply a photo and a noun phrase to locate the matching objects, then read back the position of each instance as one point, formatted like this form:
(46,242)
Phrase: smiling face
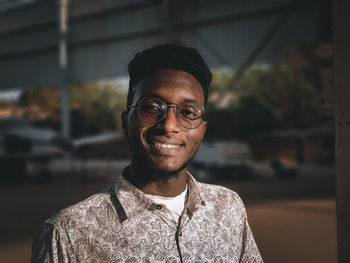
(165,147)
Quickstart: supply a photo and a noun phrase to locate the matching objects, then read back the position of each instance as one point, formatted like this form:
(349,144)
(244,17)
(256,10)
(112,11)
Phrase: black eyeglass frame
(168,105)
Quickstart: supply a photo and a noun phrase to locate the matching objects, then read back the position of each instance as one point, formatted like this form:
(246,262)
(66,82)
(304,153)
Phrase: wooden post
(341,42)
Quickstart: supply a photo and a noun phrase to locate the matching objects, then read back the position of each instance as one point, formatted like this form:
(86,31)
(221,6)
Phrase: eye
(150,108)
(190,112)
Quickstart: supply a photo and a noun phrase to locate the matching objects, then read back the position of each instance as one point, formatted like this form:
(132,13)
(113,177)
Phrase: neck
(157,183)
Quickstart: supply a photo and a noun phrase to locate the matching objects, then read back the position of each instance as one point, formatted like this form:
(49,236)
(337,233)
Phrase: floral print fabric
(121,224)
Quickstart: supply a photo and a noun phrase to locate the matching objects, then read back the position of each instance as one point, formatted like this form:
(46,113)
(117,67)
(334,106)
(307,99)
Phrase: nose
(170,123)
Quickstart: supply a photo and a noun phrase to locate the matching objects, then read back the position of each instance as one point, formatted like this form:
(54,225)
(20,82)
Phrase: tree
(264,99)
(95,107)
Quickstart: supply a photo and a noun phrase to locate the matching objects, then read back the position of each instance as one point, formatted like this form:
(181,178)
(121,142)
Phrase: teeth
(166,145)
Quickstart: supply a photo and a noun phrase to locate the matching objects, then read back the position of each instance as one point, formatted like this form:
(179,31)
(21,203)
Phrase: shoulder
(220,196)
(89,211)
(71,227)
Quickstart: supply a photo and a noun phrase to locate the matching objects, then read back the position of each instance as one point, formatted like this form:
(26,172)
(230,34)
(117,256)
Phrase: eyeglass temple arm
(129,107)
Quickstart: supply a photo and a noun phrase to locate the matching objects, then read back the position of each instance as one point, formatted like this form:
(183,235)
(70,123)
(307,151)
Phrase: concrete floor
(292,221)
(295,231)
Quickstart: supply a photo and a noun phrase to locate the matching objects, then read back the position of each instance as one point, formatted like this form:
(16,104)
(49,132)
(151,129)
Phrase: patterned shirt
(121,224)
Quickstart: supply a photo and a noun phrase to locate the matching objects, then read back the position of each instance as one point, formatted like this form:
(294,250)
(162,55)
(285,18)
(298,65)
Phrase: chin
(154,167)
(165,174)
(170,169)
(165,169)
(153,172)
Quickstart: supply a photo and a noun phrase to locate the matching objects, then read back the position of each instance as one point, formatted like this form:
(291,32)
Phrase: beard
(152,174)
(146,173)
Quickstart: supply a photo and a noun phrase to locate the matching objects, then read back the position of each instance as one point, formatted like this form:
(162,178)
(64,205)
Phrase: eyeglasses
(153,110)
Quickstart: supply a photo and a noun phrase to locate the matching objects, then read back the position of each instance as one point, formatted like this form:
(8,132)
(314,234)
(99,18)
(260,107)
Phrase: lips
(164,147)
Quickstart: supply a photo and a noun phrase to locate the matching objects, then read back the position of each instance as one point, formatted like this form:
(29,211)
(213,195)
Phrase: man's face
(166,146)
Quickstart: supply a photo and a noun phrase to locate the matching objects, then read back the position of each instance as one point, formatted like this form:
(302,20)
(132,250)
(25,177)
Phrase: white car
(223,159)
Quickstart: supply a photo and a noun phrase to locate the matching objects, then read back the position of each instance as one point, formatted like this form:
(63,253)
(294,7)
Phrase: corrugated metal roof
(105,34)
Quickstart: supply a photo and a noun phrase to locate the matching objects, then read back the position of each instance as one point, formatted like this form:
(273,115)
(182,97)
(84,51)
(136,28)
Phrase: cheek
(133,125)
(133,132)
(196,139)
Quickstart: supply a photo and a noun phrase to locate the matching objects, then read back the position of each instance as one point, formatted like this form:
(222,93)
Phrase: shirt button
(159,207)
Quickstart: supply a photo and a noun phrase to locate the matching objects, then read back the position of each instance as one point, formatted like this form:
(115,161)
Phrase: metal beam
(63,65)
(84,43)
(136,34)
(251,14)
(73,19)
(101,42)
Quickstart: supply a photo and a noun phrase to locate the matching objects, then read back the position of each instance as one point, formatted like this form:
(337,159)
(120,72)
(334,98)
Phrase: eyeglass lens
(153,110)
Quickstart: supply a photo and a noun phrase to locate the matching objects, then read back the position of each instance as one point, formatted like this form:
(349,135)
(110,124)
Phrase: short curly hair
(168,56)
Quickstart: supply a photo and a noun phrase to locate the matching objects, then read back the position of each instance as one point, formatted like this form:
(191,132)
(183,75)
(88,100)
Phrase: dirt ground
(292,220)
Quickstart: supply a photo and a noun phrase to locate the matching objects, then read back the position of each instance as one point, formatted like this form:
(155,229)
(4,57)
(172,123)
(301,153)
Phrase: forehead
(171,85)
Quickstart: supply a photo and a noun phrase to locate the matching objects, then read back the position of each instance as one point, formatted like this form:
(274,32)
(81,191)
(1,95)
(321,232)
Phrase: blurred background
(63,87)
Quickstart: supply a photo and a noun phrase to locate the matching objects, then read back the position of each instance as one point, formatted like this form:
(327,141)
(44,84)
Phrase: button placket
(164,213)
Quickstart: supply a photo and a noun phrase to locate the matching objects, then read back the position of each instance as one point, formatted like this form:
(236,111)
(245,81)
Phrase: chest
(154,237)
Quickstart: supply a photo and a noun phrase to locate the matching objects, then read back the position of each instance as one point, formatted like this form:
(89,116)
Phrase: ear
(205,123)
(204,128)
(125,121)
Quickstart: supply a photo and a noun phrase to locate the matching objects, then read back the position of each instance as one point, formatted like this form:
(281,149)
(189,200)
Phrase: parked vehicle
(228,160)
(21,143)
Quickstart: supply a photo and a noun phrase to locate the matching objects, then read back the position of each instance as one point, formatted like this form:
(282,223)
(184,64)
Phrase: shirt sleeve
(250,252)
(50,246)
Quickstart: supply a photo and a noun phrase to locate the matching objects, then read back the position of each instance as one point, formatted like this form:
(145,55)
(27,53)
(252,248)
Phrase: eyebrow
(154,95)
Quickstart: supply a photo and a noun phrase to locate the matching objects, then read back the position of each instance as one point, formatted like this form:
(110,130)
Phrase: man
(157,212)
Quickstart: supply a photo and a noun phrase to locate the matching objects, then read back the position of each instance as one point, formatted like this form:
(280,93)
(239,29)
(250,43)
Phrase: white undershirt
(175,204)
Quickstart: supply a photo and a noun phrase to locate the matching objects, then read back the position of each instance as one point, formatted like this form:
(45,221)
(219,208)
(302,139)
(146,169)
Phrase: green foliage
(266,98)
(95,107)
(41,106)
(221,79)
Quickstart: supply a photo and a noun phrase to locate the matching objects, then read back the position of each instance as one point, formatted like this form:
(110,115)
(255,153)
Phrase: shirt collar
(195,199)
(135,202)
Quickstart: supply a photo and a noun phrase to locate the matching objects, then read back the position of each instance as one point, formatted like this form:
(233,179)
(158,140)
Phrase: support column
(341,42)
(63,65)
